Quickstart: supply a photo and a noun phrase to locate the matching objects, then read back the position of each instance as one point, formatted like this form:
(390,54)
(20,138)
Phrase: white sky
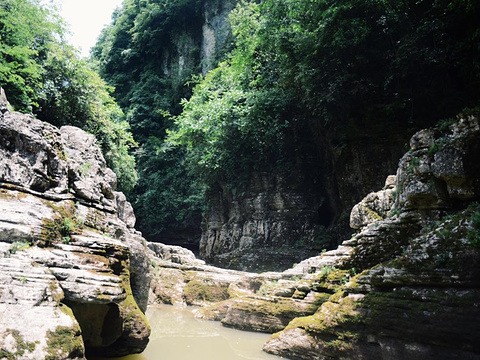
(87,18)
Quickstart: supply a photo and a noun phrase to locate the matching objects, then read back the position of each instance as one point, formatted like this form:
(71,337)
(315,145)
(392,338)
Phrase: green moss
(278,307)
(85,168)
(331,279)
(444,125)
(447,245)
(267,287)
(58,147)
(299,294)
(61,225)
(408,316)
(18,246)
(437,146)
(330,316)
(205,291)
(215,311)
(129,309)
(336,326)
(373,215)
(473,234)
(22,346)
(55,292)
(64,342)
(414,162)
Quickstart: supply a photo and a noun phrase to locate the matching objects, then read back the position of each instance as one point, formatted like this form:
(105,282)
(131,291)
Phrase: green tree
(26,32)
(138,54)
(42,74)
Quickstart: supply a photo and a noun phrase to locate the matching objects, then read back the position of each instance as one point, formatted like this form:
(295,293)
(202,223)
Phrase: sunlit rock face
(74,274)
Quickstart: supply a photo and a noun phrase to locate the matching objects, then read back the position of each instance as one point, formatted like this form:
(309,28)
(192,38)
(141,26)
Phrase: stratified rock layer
(417,295)
(261,229)
(74,274)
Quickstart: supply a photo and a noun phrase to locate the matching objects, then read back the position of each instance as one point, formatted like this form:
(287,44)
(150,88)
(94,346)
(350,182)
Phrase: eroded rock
(405,286)
(74,274)
(417,296)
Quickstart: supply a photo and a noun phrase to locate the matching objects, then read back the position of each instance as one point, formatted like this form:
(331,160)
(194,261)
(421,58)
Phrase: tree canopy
(149,54)
(300,67)
(294,74)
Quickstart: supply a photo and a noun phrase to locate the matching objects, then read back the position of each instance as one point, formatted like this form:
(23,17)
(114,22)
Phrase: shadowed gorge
(291,112)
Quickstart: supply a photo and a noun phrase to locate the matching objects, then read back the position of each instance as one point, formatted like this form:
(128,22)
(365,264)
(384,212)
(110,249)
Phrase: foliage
(26,31)
(133,55)
(137,55)
(223,129)
(238,120)
(18,246)
(301,73)
(42,74)
(301,68)
(473,234)
(168,196)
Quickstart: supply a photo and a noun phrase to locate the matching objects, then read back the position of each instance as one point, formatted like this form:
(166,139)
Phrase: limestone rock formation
(264,302)
(261,229)
(417,292)
(276,220)
(405,286)
(374,206)
(74,274)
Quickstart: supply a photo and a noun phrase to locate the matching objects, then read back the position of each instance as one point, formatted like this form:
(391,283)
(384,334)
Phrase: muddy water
(177,335)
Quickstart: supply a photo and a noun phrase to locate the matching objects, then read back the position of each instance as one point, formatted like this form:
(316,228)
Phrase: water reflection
(177,335)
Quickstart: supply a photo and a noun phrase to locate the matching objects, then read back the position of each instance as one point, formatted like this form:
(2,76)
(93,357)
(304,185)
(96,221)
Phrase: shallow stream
(177,335)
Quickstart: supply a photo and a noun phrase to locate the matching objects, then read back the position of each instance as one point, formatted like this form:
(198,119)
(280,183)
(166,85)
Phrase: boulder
(374,206)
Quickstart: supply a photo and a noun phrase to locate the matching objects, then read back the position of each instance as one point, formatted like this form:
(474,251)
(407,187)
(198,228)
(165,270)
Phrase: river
(177,335)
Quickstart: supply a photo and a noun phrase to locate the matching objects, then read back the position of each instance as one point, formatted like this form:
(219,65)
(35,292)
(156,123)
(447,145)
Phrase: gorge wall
(275,218)
(404,286)
(278,220)
(74,274)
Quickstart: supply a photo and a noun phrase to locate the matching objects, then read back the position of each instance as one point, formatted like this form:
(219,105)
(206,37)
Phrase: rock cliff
(416,295)
(404,286)
(74,274)
(263,228)
(277,220)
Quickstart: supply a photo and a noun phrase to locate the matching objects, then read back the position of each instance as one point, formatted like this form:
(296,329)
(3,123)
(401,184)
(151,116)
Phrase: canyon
(77,276)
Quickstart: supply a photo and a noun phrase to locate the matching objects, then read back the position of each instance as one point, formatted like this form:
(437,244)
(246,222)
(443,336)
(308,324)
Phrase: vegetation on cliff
(148,54)
(42,74)
(300,68)
(298,72)
(292,79)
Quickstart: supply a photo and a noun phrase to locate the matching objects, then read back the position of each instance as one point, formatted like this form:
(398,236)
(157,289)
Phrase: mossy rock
(335,327)
(199,291)
(65,343)
(61,226)
(21,346)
